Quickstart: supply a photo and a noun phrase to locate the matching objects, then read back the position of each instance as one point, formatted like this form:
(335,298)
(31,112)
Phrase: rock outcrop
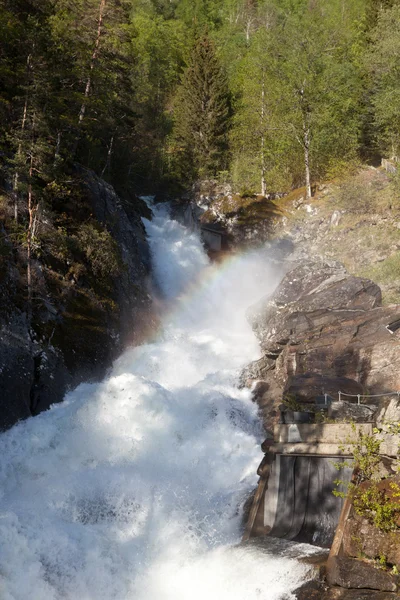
(78,321)
(353,574)
(324,331)
(315,590)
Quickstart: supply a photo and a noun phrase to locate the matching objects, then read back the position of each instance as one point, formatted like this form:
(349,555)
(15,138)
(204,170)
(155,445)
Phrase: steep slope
(355,221)
(89,294)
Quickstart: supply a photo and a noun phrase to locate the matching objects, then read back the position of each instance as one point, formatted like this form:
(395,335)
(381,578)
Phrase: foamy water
(132,489)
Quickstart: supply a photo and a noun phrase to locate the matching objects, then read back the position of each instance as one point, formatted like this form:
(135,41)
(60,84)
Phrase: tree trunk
(93,60)
(23,124)
(306,143)
(57,150)
(32,223)
(31,213)
(263,182)
(109,153)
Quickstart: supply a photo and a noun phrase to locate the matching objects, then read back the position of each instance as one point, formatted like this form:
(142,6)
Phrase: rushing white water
(132,489)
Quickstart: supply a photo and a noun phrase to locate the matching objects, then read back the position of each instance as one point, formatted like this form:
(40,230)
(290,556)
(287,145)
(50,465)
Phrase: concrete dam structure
(294,499)
(299,504)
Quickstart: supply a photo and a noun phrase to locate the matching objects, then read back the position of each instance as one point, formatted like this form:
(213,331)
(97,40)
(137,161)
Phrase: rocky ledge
(323,331)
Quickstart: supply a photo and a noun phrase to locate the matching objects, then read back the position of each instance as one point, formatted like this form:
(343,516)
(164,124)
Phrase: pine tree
(202,113)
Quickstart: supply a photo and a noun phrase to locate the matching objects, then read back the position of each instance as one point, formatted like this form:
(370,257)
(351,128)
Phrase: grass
(367,239)
(386,273)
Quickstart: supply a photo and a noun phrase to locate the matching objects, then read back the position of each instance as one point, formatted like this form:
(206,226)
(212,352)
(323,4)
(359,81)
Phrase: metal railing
(359,396)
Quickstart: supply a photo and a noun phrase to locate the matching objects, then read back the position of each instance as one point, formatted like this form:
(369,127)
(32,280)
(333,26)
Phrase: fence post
(358,399)
(340,396)
(326,399)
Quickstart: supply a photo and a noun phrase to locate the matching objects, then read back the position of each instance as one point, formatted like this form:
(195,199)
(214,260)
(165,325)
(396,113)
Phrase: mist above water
(132,489)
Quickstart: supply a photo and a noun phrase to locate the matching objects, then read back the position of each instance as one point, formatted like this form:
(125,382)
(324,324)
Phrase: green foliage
(299,88)
(379,508)
(370,498)
(267,73)
(289,400)
(201,114)
(382,561)
(382,63)
(100,250)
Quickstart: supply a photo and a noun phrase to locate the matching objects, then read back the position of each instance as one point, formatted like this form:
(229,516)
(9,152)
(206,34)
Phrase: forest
(152,95)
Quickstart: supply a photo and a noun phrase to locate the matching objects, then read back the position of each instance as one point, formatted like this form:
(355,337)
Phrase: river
(133,488)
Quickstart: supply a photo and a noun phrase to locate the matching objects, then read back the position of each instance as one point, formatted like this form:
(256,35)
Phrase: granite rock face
(323,323)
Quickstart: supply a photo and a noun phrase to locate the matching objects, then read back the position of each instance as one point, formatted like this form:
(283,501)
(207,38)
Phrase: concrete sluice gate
(299,503)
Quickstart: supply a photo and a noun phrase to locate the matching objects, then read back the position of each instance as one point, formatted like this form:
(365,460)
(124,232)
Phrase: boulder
(311,590)
(316,590)
(389,411)
(311,287)
(348,411)
(356,574)
(360,537)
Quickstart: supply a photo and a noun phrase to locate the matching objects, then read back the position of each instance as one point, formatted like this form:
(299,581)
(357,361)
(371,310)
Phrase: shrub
(376,502)
(100,249)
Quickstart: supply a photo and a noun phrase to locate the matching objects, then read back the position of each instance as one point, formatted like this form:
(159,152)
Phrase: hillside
(355,221)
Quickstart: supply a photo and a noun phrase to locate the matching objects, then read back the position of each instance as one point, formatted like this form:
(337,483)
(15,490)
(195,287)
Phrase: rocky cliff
(89,294)
(323,331)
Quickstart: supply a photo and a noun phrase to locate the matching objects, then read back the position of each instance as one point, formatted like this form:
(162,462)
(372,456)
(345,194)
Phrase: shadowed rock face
(73,335)
(325,322)
(308,386)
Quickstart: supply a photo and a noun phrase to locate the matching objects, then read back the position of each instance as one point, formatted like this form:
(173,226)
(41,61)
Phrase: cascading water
(132,488)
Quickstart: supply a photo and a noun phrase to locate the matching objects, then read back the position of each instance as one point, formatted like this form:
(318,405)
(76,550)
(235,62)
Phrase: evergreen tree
(202,113)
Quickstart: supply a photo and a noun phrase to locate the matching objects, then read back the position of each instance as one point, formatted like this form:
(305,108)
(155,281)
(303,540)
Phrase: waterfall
(132,488)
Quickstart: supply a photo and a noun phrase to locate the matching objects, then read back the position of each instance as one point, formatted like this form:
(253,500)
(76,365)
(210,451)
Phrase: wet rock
(336,593)
(356,574)
(311,590)
(315,590)
(16,371)
(123,220)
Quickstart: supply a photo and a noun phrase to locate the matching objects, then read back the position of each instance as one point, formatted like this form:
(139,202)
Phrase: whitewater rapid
(132,488)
